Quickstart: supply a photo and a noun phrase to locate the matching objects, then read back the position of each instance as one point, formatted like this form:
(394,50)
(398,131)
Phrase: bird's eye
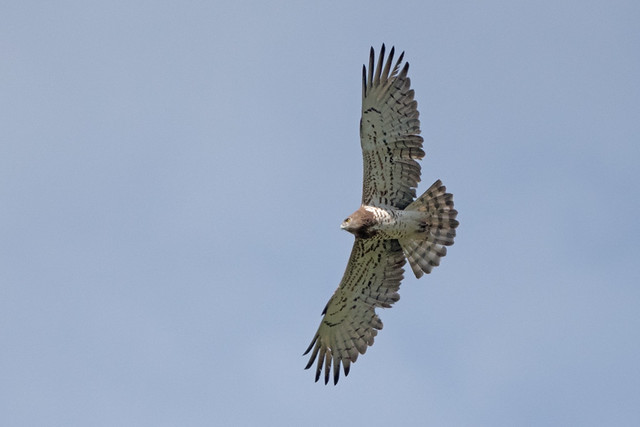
(347,220)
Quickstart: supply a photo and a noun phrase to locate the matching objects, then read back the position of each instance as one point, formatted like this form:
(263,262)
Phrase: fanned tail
(424,252)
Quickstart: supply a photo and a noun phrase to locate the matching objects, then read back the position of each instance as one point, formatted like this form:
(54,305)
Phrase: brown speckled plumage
(390,226)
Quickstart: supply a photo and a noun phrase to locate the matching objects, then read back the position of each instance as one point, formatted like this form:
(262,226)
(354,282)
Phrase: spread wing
(389,134)
(371,280)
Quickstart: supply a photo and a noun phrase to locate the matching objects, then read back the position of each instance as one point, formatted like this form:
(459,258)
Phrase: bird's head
(359,223)
(347,224)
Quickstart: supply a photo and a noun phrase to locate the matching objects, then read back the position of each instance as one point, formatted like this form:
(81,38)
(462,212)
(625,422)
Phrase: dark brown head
(360,223)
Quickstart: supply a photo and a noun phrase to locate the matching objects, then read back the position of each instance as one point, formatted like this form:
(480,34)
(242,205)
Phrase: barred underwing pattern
(390,226)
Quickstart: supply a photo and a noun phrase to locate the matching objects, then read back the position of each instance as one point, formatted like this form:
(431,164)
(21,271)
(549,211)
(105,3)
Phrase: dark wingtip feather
(387,66)
(311,345)
(310,362)
(327,368)
(319,366)
(364,80)
(376,78)
(370,74)
(405,70)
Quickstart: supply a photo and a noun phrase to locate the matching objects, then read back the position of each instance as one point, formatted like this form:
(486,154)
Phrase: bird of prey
(391,225)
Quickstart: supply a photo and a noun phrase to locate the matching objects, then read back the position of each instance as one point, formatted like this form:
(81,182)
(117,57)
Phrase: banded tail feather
(424,253)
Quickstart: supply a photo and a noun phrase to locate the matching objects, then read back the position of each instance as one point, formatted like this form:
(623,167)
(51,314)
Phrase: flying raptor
(391,225)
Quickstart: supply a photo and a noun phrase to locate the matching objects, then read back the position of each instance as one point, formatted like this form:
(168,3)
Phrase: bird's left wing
(389,134)
(371,280)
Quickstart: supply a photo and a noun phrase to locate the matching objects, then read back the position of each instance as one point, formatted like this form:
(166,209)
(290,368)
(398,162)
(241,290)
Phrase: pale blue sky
(173,176)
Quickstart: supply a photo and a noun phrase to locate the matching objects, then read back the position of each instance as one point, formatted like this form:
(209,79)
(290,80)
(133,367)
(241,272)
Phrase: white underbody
(396,223)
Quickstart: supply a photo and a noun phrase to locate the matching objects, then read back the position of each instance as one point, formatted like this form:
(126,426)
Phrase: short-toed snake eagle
(391,225)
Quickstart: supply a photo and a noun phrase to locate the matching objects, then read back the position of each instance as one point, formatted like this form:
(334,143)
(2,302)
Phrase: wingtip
(309,363)
(313,341)
(364,81)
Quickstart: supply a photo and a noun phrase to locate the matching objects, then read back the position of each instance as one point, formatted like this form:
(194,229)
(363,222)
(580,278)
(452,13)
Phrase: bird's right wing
(349,325)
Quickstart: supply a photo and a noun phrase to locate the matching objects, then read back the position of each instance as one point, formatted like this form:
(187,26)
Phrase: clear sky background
(173,176)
